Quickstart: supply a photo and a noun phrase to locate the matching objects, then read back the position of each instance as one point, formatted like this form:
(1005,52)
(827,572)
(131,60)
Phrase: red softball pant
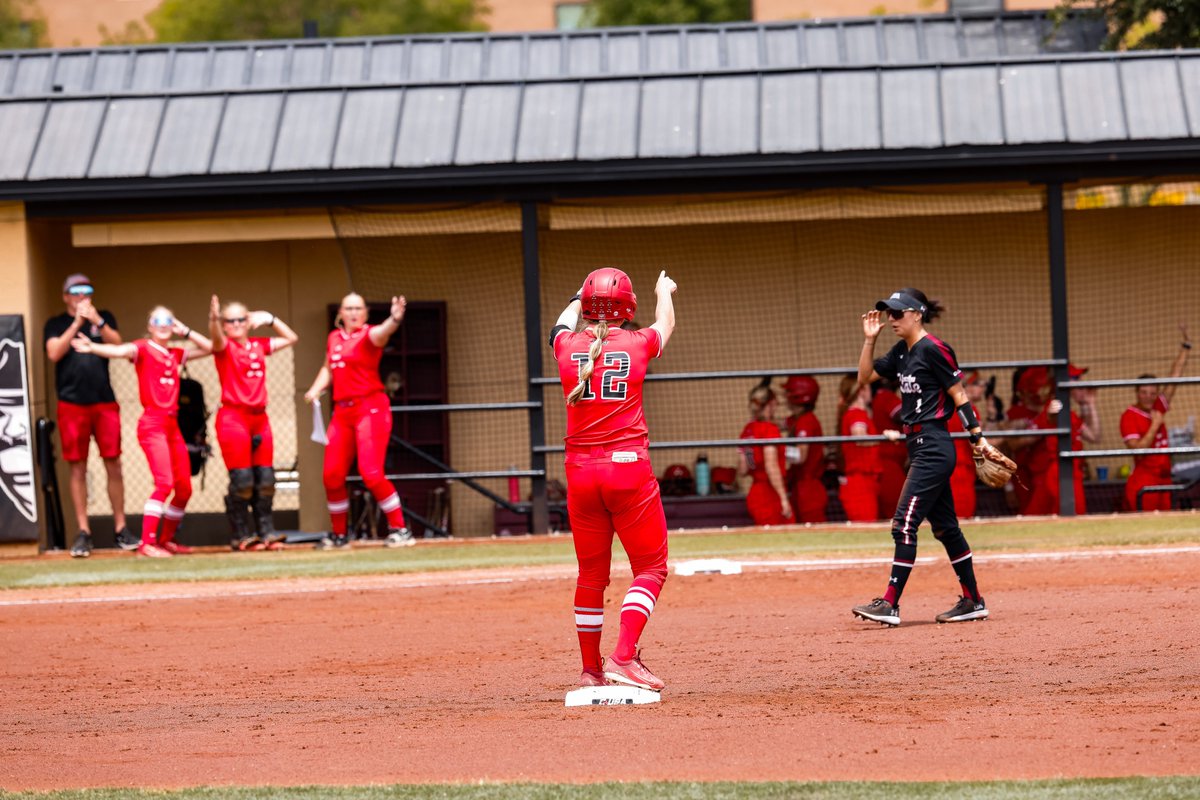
(236,427)
(360,426)
(860,496)
(809,499)
(167,454)
(763,504)
(1043,495)
(1152,501)
(606,496)
(962,486)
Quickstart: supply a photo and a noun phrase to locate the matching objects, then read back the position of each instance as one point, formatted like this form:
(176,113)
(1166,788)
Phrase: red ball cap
(608,294)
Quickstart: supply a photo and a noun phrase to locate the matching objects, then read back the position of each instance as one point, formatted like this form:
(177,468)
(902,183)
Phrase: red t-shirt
(1135,423)
(755,457)
(353,363)
(610,410)
(158,376)
(242,370)
(885,409)
(1045,452)
(813,465)
(859,459)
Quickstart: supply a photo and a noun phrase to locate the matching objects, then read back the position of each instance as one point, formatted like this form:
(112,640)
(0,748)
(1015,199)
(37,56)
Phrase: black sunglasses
(236,320)
(894,314)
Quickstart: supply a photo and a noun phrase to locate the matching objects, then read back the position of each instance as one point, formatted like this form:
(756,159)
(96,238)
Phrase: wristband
(974,437)
(969,420)
(272,322)
(1186,345)
(574,298)
(189,332)
(101,323)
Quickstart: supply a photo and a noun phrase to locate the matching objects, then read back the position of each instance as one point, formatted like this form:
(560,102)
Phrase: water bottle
(703,476)
(514,488)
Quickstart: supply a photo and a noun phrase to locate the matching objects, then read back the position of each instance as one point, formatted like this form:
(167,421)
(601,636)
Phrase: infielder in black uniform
(930,391)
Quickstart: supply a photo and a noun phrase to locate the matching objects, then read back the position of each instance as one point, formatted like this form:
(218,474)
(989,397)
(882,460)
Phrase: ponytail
(585,372)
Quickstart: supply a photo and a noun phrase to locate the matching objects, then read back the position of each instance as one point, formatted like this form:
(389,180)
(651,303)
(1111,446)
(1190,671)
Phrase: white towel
(318,432)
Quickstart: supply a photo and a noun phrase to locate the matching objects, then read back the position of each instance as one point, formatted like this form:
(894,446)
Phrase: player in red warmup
(860,491)
(962,480)
(893,456)
(361,424)
(809,496)
(1143,425)
(157,365)
(610,483)
(767,501)
(1043,453)
(243,430)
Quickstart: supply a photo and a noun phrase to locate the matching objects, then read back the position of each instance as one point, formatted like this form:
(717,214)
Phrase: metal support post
(539,515)
(1057,248)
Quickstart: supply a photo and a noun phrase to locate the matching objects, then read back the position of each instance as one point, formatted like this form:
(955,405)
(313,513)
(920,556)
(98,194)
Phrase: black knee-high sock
(960,558)
(902,564)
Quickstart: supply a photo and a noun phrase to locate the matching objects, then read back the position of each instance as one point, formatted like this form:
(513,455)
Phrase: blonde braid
(585,372)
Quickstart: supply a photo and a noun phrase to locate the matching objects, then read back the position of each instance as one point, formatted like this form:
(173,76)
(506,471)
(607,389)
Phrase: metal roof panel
(911,112)
(901,43)
(189,129)
(861,43)
(72,72)
(247,134)
(228,68)
(21,123)
(150,71)
(367,129)
(1092,102)
(850,111)
(663,52)
(549,116)
(189,68)
(308,65)
(67,139)
(1153,99)
(728,110)
(487,133)
(981,38)
(624,53)
(703,50)
(466,60)
(971,106)
(789,113)
(348,64)
(427,127)
(1189,77)
(942,41)
(583,55)
(670,108)
(387,62)
(267,66)
(742,49)
(783,47)
(608,120)
(1021,38)
(822,47)
(307,131)
(504,59)
(33,75)
(545,58)
(1032,105)
(111,72)
(425,61)
(127,138)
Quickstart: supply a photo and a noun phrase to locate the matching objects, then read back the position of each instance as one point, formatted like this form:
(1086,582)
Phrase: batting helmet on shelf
(608,294)
(677,481)
(802,390)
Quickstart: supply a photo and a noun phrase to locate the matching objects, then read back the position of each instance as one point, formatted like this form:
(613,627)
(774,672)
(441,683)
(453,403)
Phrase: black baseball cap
(901,302)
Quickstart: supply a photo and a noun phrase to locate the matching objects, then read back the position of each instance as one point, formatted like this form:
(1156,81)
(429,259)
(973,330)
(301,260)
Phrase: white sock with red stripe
(589,622)
(151,514)
(339,511)
(390,506)
(635,613)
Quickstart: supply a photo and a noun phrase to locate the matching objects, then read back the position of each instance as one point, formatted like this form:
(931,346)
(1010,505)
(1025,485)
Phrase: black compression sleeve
(555,331)
(969,420)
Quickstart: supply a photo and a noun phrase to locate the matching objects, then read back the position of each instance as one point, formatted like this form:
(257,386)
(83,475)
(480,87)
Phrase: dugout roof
(828,101)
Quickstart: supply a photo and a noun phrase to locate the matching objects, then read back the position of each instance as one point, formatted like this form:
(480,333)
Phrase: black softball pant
(927,493)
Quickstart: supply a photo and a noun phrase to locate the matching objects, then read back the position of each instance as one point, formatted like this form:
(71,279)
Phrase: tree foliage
(1143,24)
(666,12)
(21,27)
(223,20)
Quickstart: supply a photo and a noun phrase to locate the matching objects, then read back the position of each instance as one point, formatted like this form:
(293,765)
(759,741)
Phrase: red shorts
(606,496)
(236,428)
(78,424)
(809,498)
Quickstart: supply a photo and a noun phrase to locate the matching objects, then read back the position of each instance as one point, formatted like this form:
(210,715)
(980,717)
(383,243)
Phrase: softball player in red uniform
(1144,425)
(157,365)
(962,480)
(931,390)
(809,496)
(361,424)
(610,483)
(243,430)
(859,491)
(893,456)
(767,501)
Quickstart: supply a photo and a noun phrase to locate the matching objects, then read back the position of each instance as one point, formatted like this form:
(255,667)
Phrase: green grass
(1092,789)
(487,554)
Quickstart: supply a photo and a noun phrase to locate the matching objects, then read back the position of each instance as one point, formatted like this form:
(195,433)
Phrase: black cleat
(126,540)
(879,610)
(334,542)
(83,545)
(965,610)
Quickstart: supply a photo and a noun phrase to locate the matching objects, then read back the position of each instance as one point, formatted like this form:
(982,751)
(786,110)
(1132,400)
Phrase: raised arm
(82,344)
(286,338)
(569,317)
(664,311)
(381,333)
(871,325)
(202,346)
(214,325)
(1185,349)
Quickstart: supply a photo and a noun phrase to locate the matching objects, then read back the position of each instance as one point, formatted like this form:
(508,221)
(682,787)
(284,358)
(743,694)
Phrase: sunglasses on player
(82,290)
(895,314)
(162,321)
(236,320)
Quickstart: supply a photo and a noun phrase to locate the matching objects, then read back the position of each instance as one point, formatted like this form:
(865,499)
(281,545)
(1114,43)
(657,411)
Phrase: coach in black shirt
(87,407)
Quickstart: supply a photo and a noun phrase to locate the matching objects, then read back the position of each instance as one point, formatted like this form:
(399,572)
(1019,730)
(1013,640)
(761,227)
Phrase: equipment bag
(193,421)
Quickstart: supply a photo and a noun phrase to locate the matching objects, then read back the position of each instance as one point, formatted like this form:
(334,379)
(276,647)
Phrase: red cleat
(175,549)
(152,551)
(592,678)
(634,673)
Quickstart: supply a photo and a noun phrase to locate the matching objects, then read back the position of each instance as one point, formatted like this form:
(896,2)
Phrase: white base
(611,696)
(711,566)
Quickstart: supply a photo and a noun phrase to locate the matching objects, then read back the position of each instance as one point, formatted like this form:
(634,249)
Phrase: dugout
(787,174)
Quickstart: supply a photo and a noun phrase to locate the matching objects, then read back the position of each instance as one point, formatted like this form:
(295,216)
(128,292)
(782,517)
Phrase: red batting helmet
(608,294)
(802,390)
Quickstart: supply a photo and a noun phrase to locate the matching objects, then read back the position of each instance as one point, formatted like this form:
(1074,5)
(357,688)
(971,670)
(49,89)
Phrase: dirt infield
(1089,667)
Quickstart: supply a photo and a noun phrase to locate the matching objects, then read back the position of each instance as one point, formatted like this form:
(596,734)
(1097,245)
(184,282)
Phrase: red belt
(907,429)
